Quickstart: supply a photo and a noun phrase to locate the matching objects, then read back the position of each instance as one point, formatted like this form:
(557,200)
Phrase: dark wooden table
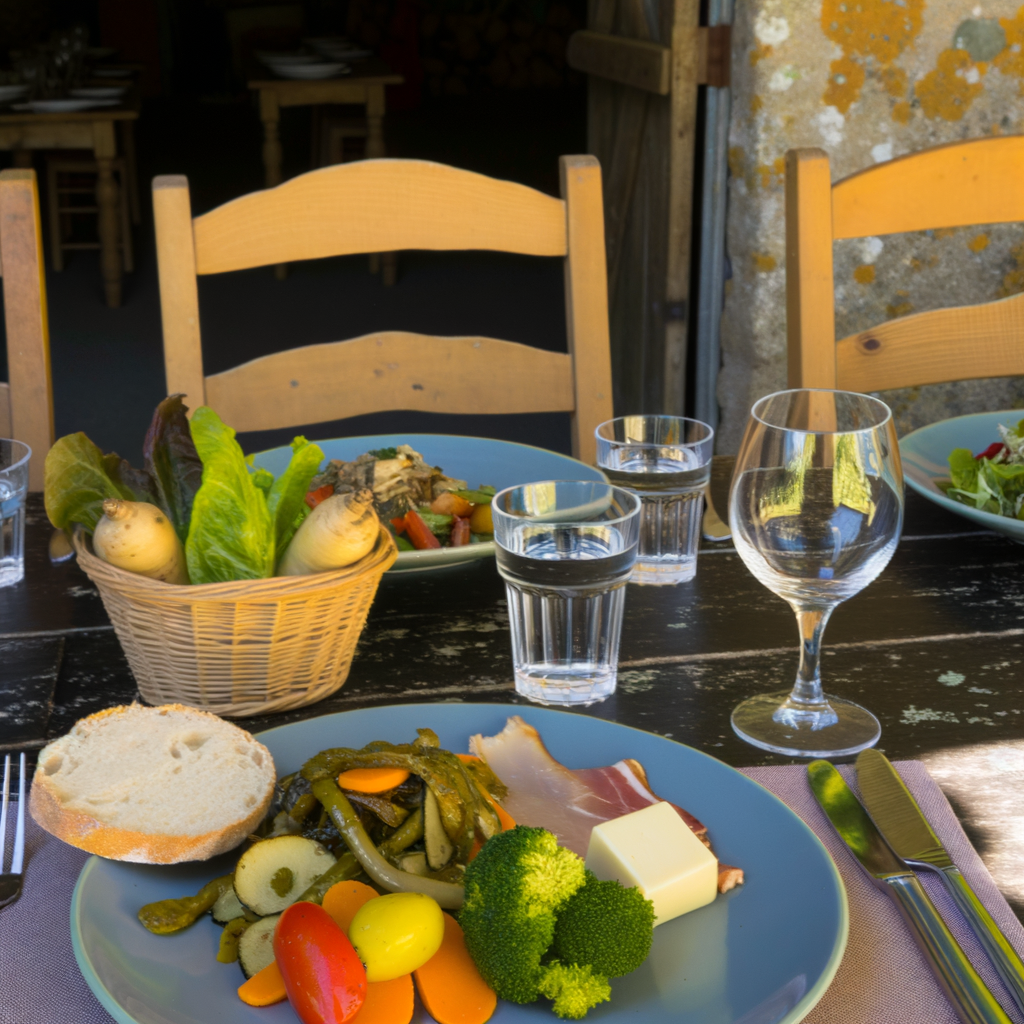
(935,647)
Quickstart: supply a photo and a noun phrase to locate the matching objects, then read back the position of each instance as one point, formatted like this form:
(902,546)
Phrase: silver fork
(10,881)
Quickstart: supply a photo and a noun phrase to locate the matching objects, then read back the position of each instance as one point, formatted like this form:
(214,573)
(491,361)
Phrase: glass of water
(565,550)
(666,462)
(816,511)
(14,456)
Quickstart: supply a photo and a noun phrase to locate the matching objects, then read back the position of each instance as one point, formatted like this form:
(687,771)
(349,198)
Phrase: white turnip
(139,537)
(341,530)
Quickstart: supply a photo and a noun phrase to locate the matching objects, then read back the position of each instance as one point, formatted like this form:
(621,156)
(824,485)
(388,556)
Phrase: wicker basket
(241,648)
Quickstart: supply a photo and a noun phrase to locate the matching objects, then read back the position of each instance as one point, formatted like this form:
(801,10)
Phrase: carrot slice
(372,780)
(450,985)
(343,899)
(387,1002)
(264,988)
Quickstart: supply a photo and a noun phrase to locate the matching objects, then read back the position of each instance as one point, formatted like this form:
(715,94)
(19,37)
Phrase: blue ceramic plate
(762,954)
(477,460)
(925,453)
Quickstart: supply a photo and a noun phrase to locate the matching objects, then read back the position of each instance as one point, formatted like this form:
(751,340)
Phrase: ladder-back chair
(26,400)
(965,183)
(383,206)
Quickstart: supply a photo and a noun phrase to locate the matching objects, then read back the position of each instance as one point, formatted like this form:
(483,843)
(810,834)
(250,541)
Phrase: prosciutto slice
(544,793)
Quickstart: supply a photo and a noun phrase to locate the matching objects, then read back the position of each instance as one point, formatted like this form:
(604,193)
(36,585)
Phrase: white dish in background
(311,71)
(282,59)
(12,92)
(63,106)
(99,92)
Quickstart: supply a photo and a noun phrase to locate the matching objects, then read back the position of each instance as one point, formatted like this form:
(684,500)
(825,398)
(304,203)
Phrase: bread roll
(153,785)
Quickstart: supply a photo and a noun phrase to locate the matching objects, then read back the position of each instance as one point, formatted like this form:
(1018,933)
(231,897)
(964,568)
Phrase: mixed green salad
(992,480)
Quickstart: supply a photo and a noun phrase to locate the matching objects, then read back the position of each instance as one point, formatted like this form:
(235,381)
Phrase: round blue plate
(762,954)
(925,454)
(477,460)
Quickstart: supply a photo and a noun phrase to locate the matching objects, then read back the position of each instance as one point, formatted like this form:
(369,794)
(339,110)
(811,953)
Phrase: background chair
(26,401)
(384,206)
(966,183)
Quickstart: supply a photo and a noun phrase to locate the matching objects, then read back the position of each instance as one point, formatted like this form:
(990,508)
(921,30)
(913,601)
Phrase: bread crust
(94,836)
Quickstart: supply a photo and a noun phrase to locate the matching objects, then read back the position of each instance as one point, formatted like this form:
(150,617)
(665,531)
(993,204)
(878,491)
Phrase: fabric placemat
(882,980)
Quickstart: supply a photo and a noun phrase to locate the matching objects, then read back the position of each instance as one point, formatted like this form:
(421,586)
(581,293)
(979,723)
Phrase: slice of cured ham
(544,793)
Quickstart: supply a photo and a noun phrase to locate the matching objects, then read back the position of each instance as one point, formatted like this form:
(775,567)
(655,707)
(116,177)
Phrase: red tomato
(313,498)
(398,525)
(324,978)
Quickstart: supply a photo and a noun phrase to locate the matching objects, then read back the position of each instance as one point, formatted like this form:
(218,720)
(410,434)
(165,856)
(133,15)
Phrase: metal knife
(898,817)
(971,999)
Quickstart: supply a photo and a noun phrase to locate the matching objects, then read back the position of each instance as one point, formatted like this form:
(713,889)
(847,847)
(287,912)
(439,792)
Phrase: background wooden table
(935,647)
(363,87)
(96,130)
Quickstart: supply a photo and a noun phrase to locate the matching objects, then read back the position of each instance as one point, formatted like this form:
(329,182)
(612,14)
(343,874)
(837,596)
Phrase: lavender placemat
(882,980)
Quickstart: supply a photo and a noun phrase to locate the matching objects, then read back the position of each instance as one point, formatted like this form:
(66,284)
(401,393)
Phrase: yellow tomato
(396,934)
(481,520)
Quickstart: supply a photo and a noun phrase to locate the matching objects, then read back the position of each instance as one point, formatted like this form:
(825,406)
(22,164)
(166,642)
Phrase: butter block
(654,850)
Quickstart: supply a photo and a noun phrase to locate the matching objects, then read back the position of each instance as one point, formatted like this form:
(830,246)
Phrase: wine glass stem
(811,622)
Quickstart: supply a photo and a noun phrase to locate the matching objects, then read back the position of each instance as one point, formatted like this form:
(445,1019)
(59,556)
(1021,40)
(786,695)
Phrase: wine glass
(816,510)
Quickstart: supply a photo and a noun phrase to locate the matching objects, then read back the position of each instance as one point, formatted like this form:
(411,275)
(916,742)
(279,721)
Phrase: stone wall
(865,80)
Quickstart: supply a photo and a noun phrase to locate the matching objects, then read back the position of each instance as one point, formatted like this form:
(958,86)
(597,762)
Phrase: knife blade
(899,818)
(971,999)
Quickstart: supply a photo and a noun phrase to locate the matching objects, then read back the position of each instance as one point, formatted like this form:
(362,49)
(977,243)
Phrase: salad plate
(762,954)
(480,461)
(925,454)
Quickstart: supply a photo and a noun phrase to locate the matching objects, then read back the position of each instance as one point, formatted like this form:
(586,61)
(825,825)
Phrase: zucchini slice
(414,863)
(439,847)
(227,907)
(273,873)
(256,945)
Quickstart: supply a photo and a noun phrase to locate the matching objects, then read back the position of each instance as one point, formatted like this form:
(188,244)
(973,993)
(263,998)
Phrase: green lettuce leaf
(231,535)
(287,497)
(172,463)
(963,469)
(78,477)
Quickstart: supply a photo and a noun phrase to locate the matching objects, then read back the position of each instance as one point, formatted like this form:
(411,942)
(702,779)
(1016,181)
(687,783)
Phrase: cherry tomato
(396,934)
(313,498)
(324,978)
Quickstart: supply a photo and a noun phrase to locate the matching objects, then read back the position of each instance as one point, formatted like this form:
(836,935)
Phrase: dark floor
(108,363)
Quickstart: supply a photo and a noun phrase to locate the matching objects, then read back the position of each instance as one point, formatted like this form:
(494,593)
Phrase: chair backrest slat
(378,206)
(959,343)
(391,370)
(30,392)
(975,182)
(381,206)
(5,410)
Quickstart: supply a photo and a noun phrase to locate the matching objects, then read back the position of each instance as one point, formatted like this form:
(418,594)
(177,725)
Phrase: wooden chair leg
(131,170)
(389,261)
(54,218)
(127,251)
(374,262)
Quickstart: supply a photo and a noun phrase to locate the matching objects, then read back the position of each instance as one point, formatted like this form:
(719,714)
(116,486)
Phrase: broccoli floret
(606,926)
(574,989)
(513,888)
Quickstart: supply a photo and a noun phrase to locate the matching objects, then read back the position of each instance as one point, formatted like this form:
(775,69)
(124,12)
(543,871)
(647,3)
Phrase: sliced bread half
(153,785)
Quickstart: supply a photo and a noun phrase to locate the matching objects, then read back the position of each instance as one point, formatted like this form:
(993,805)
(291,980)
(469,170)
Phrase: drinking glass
(565,549)
(666,462)
(816,510)
(14,456)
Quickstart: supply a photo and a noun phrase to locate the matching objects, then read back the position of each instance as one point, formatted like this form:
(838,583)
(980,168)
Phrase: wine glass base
(763,722)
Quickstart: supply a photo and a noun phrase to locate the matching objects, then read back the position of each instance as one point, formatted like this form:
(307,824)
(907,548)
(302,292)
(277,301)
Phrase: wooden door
(645,59)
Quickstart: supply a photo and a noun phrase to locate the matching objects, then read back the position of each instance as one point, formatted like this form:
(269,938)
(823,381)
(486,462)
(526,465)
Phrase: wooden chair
(383,206)
(26,401)
(965,183)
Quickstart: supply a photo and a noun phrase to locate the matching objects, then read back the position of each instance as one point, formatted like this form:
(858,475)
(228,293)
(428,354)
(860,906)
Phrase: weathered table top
(934,647)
